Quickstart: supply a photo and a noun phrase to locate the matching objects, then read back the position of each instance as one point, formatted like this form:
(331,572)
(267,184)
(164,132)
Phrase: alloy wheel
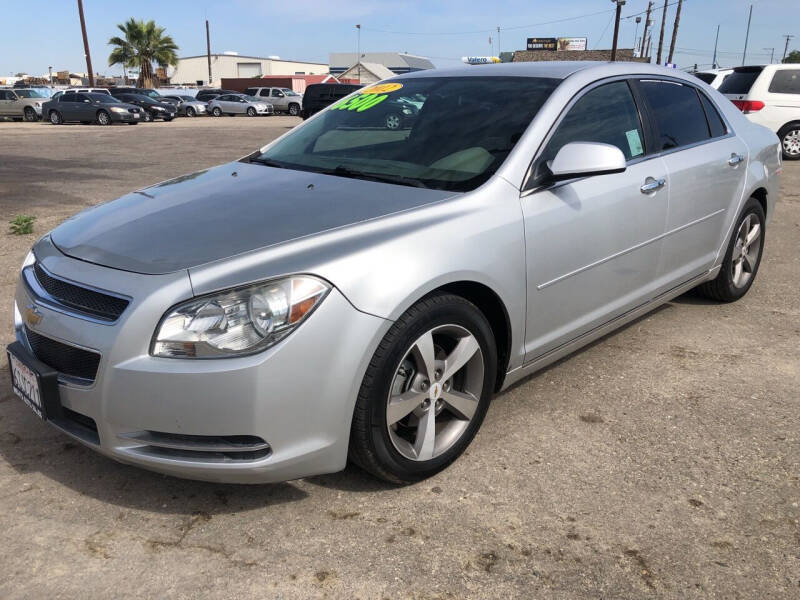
(435,392)
(103,118)
(746,251)
(392,121)
(30,114)
(791,142)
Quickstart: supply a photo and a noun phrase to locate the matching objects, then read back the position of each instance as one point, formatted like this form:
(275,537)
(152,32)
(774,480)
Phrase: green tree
(792,57)
(144,44)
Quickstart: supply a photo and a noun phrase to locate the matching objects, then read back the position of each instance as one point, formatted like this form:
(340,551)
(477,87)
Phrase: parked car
(151,109)
(207,94)
(713,77)
(239,104)
(347,292)
(150,93)
(770,96)
(21,104)
(283,99)
(102,109)
(188,106)
(320,95)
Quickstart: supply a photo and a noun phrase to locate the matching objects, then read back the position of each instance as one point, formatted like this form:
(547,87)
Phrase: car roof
(551,70)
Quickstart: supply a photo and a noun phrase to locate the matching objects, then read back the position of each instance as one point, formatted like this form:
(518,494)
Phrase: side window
(11,95)
(2,95)
(715,122)
(785,81)
(276,93)
(677,112)
(69,97)
(263,93)
(605,114)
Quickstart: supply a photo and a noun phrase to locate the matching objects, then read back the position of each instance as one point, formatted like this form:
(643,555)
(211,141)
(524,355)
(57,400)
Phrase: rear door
(783,97)
(67,106)
(737,85)
(706,168)
(4,102)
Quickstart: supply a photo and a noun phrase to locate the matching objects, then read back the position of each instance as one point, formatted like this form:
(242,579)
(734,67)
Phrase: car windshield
(463,130)
(253,99)
(186,98)
(152,94)
(29,94)
(289,92)
(740,81)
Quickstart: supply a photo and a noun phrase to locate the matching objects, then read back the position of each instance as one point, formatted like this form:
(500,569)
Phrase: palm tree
(144,44)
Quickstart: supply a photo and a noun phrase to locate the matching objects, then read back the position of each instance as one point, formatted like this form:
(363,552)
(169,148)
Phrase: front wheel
(392,121)
(294,109)
(742,258)
(190,112)
(30,114)
(103,118)
(425,392)
(251,112)
(790,141)
(168,119)
(146,116)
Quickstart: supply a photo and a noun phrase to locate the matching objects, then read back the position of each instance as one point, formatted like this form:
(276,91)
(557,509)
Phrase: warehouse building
(193,70)
(397,62)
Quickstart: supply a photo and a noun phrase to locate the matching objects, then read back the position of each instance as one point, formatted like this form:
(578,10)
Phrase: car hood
(224,211)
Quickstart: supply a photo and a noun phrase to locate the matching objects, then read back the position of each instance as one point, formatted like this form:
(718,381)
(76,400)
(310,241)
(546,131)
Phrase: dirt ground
(662,461)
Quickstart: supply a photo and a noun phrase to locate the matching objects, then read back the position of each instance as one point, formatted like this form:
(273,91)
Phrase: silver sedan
(239,104)
(189,106)
(349,292)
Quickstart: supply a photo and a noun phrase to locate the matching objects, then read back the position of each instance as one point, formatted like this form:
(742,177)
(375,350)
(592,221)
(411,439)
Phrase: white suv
(769,95)
(714,77)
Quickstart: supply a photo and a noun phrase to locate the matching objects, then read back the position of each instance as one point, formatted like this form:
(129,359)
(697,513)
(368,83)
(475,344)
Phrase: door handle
(652,185)
(735,159)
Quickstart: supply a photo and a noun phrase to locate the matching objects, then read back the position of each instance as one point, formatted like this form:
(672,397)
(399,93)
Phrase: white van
(714,77)
(769,95)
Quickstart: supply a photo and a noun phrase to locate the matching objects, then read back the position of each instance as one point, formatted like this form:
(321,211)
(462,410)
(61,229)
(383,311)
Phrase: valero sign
(480,60)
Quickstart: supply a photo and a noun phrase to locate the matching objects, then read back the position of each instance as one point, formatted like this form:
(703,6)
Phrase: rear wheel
(103,118)
(56,118)
(425,392)
(790,141)
(742,257)
(294,109)
(30,114)
(216,111)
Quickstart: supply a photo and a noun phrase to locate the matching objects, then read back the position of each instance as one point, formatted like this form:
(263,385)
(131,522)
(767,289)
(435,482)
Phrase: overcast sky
(35,34)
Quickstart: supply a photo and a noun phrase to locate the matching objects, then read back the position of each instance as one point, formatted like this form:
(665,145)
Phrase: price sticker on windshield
(382,88)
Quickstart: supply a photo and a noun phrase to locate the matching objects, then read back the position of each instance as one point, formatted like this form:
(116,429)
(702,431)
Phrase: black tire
(168,119)
(371,447)
(56,118)
(216,111)
(294,109)
(103,118)
(789,135)
(146,116)
(251,112)
(392,121)
(722,287)
(30,114)
(190,112)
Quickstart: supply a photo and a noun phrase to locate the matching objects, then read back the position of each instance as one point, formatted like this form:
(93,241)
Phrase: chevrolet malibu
(352,292)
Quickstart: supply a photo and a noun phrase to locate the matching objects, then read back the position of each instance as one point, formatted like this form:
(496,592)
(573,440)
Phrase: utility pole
(747,35)
(675,32)
(771,54)
(86,44)
(786,47)
(358,52)
(50,72)
(661,35)
(716,41)
(636,35)
(647,24)
(499,50)
(616,29)
(208,52)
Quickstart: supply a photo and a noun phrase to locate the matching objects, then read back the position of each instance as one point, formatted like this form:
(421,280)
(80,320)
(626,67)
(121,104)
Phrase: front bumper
(126,117)
(170,415)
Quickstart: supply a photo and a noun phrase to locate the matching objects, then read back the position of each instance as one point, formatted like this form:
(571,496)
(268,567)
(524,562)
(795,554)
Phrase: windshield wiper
(267,161)
(343,171)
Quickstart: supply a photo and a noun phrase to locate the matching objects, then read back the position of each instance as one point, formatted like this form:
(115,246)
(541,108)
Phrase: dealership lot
(663,460)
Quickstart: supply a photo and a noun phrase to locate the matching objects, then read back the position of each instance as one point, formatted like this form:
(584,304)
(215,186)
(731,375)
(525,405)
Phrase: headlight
(29,260)
(239,321)
(157,108)
(118,109)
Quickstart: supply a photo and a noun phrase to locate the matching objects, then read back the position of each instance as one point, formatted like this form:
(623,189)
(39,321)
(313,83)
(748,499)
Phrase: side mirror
(585,159)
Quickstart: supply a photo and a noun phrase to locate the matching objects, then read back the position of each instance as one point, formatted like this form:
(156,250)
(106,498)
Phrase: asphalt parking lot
(662,461)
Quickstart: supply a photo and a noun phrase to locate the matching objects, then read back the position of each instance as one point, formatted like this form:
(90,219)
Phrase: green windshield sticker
(634,142)
(360,103)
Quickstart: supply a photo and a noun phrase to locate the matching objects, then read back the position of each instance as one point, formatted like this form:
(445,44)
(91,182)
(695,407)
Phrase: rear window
(705,77)
(740,81)
(785,81)
(715,122)
(679,116)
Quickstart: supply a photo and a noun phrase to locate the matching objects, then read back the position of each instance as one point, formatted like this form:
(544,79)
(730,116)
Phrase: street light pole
(86,44)
(358,52)
(661,35)
(716,41)
(786,47)
(771,54)
(208,52)
(616,29)
(747,35)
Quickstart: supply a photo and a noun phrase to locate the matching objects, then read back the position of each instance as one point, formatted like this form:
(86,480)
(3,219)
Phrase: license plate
(26,385)
(135,115)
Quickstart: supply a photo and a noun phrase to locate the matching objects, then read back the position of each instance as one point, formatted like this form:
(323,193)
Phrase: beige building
(367,72)
(194,69)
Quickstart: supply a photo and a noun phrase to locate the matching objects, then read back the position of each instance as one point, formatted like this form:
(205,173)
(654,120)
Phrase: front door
(593,244)
(706,169)
(4,102)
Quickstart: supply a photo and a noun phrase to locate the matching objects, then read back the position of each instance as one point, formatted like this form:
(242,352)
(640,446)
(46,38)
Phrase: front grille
(203,448)
(67,360)
(96,304)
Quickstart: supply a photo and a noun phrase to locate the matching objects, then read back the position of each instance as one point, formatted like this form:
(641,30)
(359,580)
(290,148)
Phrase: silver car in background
(349,292)
(239,104)
(188,106)
(21,104)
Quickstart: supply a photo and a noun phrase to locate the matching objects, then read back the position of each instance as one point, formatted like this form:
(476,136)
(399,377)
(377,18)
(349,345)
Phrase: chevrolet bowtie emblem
(32,315)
